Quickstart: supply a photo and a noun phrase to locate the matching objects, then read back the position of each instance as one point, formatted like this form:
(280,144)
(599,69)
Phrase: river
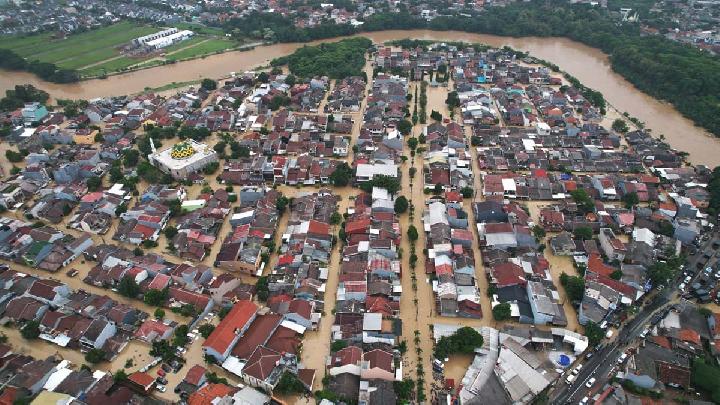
(589,65)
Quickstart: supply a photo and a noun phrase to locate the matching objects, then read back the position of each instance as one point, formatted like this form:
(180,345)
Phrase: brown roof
(257,334)
(379,358)
(261,363)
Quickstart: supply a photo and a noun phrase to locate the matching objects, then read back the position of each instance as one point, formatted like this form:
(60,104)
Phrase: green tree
(289,384)
(338,345)
(583,232)
(412,233)
(281,203)
(120,375)
(170,232)
(208,84)
(583,200)
(404,126)
(538,231)
(342,175)
(594,333)
(401,204)
(261,289)
(159,313)
(464,341)
(131,157)
(94,356)
(630,200)
(31,330)
(180,338)
(93,183)
(206,329)
(502,312)
(13,156)
(660,273)
(155,297)
(619,125)
(436,116)
(412,143)
(128,287)
(574,286)
(616,275)
(335,218)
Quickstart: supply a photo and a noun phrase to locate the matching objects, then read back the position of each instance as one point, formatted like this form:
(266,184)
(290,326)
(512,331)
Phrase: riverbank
(589,65)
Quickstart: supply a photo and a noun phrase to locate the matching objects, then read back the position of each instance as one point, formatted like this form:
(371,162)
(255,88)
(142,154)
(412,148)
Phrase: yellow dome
(182,150)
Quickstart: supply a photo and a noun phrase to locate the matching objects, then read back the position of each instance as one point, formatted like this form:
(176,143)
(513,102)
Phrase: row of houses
(254,225)
(367,326)
(40,247)
(73,319)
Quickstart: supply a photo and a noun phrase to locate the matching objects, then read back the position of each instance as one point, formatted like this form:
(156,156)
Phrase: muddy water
(589,65)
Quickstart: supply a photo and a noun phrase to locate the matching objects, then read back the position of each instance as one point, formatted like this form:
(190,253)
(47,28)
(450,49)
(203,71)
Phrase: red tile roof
(209,393)
(195,375)
(144,380)
(222,337)
(348,355)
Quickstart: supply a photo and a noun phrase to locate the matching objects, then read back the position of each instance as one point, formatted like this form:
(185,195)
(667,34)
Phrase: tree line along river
(589,65)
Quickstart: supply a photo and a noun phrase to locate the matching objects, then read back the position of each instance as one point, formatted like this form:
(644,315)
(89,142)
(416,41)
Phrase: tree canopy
(502,312)
(336,60)
(574,286)
(464,341)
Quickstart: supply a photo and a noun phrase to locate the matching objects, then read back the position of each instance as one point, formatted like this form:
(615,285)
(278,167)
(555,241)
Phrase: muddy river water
(589,65)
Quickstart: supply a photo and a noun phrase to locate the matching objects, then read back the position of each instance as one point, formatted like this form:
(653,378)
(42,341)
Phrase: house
(377,364)
(228,331)
(611,246)
(152,329)
(34,113)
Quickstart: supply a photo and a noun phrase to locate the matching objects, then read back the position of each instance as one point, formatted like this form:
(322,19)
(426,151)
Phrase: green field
(95,52)
(206,48)
(77,50)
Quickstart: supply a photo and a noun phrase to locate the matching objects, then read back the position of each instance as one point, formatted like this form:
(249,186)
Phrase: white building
(183,158)
(163,38)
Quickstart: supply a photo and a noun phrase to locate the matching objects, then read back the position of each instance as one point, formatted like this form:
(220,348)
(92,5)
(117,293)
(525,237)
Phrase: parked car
(590,382)
(160,388)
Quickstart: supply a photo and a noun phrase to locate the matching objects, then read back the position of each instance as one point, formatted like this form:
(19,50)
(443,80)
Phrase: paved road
(604,361)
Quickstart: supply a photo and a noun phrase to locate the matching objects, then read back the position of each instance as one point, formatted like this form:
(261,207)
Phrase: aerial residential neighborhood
(215,203)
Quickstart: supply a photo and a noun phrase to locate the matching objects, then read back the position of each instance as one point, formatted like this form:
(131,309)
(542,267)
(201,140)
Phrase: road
(603,363)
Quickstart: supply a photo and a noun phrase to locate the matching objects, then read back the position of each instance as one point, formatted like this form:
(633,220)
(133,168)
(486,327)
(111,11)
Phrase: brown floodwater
(589,65)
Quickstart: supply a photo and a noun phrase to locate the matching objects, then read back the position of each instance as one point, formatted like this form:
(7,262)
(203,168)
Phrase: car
(569,379)
(622,358)
(4,267)
(590,382)
(644,333)
(160,388)
(161,381)
(584,401)
(687,279)
(72,273)
(589,355)
(608,334)
(681,286)
(161,372)
(716,245)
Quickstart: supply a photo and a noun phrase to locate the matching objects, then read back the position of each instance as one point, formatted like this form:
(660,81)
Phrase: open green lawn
(77,50)
(206,48)
(95,52)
